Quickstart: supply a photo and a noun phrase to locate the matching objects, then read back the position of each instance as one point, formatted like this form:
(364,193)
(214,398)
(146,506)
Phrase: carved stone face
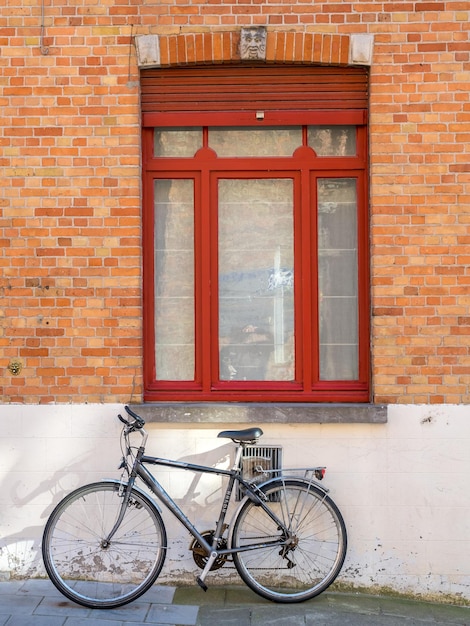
(253,43)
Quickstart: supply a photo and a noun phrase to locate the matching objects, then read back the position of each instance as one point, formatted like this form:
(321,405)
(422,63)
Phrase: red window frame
(206,387)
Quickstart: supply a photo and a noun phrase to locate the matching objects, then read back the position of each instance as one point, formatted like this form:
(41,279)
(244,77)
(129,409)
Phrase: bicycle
(105,543)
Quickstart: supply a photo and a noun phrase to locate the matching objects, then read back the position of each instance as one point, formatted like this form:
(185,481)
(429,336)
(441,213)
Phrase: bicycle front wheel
(84,566)
(300,559)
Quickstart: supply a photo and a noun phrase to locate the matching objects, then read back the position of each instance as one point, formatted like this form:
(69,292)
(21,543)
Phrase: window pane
(332,140)
(337,278)
(256,295)
(177,142)
(255,142)
(174,279)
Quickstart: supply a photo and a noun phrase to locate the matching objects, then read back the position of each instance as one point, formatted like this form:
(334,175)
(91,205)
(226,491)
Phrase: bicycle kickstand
(210,561)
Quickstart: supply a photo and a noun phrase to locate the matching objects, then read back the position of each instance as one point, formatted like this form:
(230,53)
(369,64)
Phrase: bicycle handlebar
(138,422)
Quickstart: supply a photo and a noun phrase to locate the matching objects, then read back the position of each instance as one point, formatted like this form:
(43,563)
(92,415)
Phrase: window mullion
(305,229)
(204,261)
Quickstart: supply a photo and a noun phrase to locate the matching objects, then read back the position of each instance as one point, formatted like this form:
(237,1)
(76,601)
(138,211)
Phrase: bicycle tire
(94,575)
(318,546)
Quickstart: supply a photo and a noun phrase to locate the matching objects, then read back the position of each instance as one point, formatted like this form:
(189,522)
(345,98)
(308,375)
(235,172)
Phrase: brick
(430,6)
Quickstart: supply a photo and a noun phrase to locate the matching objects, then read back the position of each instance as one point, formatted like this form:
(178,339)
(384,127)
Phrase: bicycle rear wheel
(85,568)
(301,561)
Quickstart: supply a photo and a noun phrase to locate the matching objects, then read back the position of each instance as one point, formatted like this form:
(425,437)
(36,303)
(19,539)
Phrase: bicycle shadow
(220,457)
(20,551)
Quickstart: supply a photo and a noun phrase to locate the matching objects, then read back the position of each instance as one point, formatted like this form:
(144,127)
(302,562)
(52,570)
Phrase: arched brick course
(281,47)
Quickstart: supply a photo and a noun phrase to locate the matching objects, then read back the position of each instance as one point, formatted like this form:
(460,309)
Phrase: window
(255,261)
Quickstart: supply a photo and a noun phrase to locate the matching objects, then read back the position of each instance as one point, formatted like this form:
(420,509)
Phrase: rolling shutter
(242,88)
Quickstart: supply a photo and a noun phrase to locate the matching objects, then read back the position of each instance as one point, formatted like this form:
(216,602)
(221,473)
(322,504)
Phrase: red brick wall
(70,263)
(420,175)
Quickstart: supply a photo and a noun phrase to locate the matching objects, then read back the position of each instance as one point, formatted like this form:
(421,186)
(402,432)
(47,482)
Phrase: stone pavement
(37,603)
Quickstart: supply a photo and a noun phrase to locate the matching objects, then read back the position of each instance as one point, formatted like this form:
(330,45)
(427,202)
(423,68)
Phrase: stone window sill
(259,413)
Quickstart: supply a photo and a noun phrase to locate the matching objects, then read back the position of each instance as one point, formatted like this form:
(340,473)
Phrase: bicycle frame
(234,476)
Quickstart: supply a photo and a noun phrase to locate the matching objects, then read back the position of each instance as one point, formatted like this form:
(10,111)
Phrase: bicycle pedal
(202,584)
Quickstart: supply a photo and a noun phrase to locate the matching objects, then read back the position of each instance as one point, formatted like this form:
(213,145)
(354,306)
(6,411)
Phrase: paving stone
(277,615)
(173,614)
(10,587)
(354,603)
(414,610)
(451,614)
(39,586)
(214,596)
(226,616)
(15,603)
(160,594)
(142,624)
(133,612)
(336,618)
(243,595)
(86,621)
(35,620)
(61,607)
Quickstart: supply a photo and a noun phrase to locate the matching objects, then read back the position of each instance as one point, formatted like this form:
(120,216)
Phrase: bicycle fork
(126,490)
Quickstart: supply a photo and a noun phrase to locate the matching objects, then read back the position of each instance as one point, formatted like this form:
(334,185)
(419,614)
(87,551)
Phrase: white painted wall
(403,487)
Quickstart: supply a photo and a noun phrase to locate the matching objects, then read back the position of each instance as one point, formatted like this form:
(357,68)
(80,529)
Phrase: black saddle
(249,434)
